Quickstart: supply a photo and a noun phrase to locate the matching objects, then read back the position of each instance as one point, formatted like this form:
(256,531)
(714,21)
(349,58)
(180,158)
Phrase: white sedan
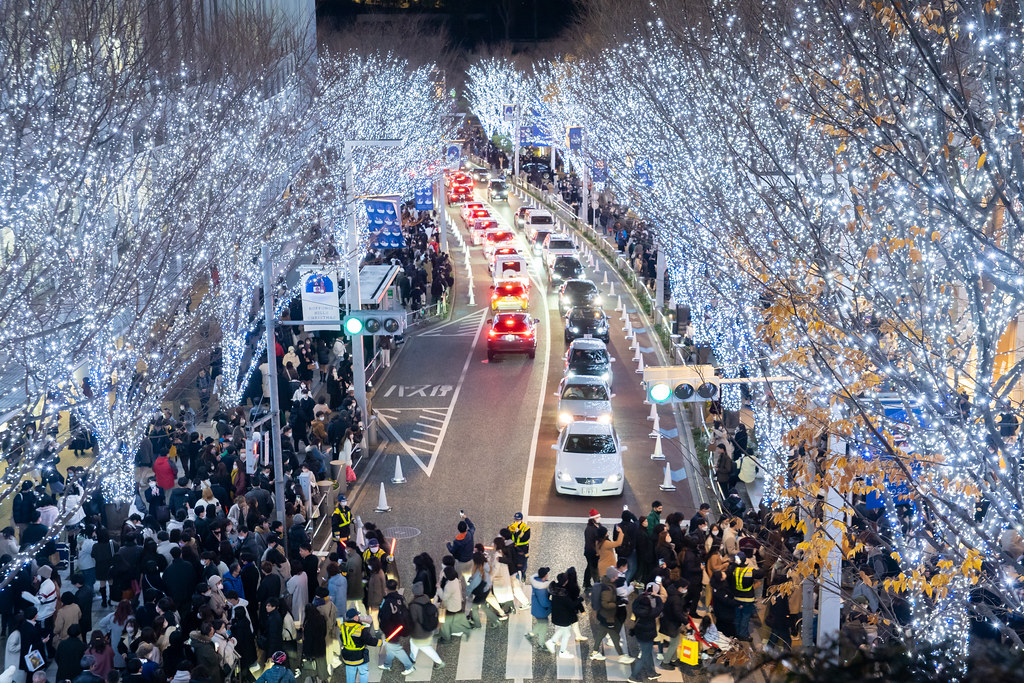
(589,460)
(583,398)
(469,207)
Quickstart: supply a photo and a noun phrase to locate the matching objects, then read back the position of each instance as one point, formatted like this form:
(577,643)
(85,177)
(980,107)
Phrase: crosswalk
(465,326)
(504,653)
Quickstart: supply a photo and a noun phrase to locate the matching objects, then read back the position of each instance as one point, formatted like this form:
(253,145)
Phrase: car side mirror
(554,446)
(623,449)
(611,360)
(611,395)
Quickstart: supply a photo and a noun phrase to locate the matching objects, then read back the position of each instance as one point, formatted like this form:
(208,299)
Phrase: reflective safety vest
(380,555)
(342,519)
(744,584)
(520,536)
(352,652)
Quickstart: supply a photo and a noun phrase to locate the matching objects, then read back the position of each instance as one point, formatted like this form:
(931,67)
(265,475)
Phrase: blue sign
(643,172)
(385,222)
(424,196)
(318,283)
(599,173)
(574,138)
(509,112)
(537,133)
(453,153)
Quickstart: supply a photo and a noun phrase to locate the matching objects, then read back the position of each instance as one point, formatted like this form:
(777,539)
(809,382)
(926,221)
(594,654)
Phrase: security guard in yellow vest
(356,636)
(374,551)
(341,520)
(743,578)
(520,543)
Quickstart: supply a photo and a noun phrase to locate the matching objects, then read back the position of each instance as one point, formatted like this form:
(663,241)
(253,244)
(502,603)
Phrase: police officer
(520,543)
(356,635)
(373,550)
(341,521)
(743,578)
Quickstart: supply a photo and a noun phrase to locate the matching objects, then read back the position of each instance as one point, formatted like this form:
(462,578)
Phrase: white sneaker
(566,655)
(550,646)
(580,639)
(626,659)
(406,672)
(597,656)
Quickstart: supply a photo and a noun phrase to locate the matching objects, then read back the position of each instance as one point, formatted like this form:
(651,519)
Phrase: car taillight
(528,333)
(494,297)
(492,333)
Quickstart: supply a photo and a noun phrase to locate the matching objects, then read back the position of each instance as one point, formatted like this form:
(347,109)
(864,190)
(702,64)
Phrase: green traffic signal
(353,325)
(659,392)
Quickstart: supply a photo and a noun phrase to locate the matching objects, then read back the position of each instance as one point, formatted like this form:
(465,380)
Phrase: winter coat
(646,610)
(462,547)
(609,602)
(563,608)
(628,529)
(416,606)
(337,589)
(540,599)
(165,472)
(748,469)
(590,539)
(354,574)
(69,657)
(606,556)
(375,588)
(66,615)
(501,578)
(674,614)
(453,595)
(180,577)
(206,655)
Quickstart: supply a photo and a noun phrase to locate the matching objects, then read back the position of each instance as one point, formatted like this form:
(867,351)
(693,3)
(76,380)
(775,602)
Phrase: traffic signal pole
(275,408)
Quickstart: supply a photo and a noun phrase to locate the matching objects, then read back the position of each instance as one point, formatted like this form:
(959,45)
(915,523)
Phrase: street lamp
(352,289)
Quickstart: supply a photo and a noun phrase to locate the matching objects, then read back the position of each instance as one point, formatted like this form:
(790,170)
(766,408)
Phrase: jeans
(645,662)
(631,567)
(744,611)
(540,630)
(417,645)
(393,650)
(561,637)
(357,673)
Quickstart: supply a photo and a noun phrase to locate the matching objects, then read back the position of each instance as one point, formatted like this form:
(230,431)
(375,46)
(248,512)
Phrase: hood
(589,464)
(557,590)
(583,407)
(538,584)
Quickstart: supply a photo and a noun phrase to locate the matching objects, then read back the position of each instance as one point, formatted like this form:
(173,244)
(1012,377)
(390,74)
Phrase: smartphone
(625,507)
(661,563)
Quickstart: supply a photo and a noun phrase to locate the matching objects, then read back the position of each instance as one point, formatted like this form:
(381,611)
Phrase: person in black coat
(673,617)
(180,578)
(241,631)
(69,654)
(32,638)
(250,576)
(270,584)
(647,607)
(271,637)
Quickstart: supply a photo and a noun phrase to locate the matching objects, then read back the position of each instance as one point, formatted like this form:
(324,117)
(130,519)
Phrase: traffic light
(691,383)
(374,322)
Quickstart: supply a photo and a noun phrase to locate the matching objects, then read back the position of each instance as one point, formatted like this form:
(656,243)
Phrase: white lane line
(471,653)
(429,443)
(426,426)
(559,520)
(519,653)
(402,442)
(369,468)
(570,669)
(438,411)
(613,669)
(431,419)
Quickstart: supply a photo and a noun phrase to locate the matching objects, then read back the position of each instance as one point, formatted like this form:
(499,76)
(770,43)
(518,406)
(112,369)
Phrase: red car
(459,193)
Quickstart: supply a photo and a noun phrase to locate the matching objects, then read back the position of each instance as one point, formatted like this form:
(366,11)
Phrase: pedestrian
(69,654)
(743,578)
(563,616)
(654,516)
(462,547)
(279,671)
(314,644)
(673,617)
(540,607)
(603,605)
(647,607)
(590,537)
(395,625)
(520,544)
(452,595)
(425,622)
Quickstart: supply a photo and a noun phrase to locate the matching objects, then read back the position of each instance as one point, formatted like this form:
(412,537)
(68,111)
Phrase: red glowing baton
(393,542)
(393,634)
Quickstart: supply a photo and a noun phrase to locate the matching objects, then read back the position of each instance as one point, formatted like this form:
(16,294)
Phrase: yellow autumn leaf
(981,159)
(936,236)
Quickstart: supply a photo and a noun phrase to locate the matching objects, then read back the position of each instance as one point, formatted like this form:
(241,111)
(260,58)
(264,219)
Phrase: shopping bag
(689,651)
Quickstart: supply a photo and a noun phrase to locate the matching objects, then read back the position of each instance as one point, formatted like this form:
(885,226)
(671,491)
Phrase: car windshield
(568,264)
(561,244)
(510,289)
(589,356)
(589,443)
(585,392)
(541,220)
(585,316)
(580,287)
(497,184)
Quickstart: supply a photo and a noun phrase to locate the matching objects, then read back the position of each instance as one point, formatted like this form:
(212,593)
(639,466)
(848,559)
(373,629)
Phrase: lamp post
(352,288)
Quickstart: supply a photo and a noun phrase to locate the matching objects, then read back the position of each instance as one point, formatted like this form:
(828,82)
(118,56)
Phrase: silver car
(584,397)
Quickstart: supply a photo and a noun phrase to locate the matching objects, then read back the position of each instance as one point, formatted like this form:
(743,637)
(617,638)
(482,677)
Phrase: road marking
(429,443)
(471,652)
(426,426)
(432,419)
(570,669)
(555,519)
(519,653)
(465,326)
(540,411)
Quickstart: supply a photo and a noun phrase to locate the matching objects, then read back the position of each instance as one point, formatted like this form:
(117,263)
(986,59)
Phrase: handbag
(34,661)
(350,474)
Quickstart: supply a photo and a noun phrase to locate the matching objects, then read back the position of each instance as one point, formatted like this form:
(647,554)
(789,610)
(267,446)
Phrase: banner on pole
(453,154)
(599,173)
(574,138)
(424,196)
(320,297)
(644,171)
(385,222)
(508,112)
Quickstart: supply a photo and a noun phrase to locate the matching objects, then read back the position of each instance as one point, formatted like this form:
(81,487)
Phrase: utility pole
(352,287)
(275,408)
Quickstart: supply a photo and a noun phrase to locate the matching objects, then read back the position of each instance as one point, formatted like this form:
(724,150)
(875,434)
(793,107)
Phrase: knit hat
(417,588)
(298,519)
(322,592)
(594,514)
(280,657)
(352,613)
(612,573)
(213,580)
(45,571)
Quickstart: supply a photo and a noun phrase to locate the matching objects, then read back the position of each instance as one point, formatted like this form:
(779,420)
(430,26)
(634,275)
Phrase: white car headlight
(564,476)
(574,329)
(570,373)
(597,300)
(606,376)
(604,419)
(564,418)
(614,479)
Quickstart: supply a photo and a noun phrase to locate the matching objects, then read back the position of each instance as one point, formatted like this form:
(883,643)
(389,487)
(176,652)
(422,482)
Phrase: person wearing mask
(647,607)
(356,636)
(540,606)
(628,529)
(396,625)
(520,544)
(341,521)
(672,619)
(563,616)
(742,579)
(314,643)
(603,604)
(425,621)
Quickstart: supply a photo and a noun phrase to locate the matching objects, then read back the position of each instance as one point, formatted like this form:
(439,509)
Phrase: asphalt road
(475,435)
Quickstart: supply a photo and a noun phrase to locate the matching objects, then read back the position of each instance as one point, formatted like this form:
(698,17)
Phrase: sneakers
(566,655)
(383,667)
(668,666)
(580,639)
(406,672)
(626,659)
(597,656)
(503,617)
(550,645)
(631,679)
(654,676)
(439,665)
(458,635)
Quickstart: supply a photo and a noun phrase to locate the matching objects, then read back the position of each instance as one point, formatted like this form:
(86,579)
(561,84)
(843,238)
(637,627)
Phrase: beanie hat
(45,571)
(594,514)
(280,657)
(417,588)
(352,613)
(322,592)
(612,573)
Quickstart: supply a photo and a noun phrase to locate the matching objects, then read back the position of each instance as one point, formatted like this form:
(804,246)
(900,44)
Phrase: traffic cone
(656,427)
(398,478)
(654,413)
(658,454)
(636,352)
(625,316)
(618,303)
(640,366)
(667,484)
(472,295)
(629,330)
(605,281)
(382,501)
(611,289)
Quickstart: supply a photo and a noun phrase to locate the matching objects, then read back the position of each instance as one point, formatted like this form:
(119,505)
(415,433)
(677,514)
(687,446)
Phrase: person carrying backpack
(603,604)
(425,621)
(395,624)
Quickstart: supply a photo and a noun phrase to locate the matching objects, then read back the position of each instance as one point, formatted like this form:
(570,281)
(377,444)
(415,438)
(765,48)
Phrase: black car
(497,190)
(565,268)
(589,357)
(579,322)
(578,293)
(512,333)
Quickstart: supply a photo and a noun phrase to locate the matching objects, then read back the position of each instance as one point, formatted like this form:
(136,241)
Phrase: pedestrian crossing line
(436,411)
(471,652)
(431,419)
(570,669)
(429,443)
(519,659)
(424,668)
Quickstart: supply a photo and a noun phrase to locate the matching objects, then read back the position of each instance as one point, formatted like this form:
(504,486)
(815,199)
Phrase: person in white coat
(45,598)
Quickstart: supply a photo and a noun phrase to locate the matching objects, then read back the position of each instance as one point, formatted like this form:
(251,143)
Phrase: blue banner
(509,112)
(643,171)
(424,196)
(453,154)
(599,173)
(385,222)
(574,138)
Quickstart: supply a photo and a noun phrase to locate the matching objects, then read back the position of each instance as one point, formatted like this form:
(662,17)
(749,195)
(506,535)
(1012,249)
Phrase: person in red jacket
(165,471)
